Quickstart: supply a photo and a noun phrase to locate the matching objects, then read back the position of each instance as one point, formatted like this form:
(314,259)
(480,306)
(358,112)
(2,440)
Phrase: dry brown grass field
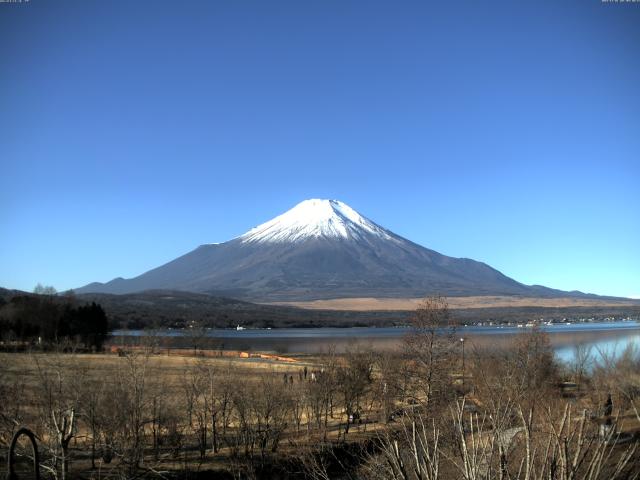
(148,412)
(29,380)
(408,304)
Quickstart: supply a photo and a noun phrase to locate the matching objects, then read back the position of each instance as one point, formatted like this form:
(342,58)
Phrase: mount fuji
(321,249)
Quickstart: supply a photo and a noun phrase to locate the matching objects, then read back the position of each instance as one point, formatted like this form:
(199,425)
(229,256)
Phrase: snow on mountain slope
(313,219)
(321,249)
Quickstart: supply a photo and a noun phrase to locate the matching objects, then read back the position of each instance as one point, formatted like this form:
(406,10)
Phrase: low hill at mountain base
(175,309)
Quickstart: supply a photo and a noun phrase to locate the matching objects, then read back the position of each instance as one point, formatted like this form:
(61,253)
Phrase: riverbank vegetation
(432,410)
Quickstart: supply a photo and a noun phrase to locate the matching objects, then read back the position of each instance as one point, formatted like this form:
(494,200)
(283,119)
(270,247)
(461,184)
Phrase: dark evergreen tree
(47,319)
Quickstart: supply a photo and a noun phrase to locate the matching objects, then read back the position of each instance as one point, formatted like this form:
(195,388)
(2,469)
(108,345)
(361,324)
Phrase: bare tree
(271,406)
(389,384)
(548,447)
(321,389)
(197,396)
(60,381)
(44,290)
(582,362)
(353,377)
(221,391)
(133,408)
(430,350)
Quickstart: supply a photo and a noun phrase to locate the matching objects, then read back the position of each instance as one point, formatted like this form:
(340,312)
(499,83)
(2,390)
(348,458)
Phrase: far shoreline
(360,304)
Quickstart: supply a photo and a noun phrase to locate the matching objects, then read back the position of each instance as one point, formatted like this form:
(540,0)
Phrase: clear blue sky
(507,132)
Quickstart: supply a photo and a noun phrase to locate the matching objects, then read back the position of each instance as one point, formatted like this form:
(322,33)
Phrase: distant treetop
(44,290)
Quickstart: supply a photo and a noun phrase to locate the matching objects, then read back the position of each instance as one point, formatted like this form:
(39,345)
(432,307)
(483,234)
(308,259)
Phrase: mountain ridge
(322,249)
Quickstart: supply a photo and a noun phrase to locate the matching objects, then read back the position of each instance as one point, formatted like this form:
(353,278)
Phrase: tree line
(44,318)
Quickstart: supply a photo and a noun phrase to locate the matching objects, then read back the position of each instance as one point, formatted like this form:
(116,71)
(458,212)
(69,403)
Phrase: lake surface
(609,338)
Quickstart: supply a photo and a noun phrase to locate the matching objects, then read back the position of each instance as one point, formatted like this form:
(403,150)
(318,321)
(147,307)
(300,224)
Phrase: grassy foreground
(424,412)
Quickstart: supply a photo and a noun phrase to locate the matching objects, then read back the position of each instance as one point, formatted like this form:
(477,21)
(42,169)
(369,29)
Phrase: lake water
(609,338)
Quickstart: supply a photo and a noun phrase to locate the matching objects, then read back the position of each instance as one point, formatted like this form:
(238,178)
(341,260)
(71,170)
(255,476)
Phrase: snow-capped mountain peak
(321,249)
(315,218)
